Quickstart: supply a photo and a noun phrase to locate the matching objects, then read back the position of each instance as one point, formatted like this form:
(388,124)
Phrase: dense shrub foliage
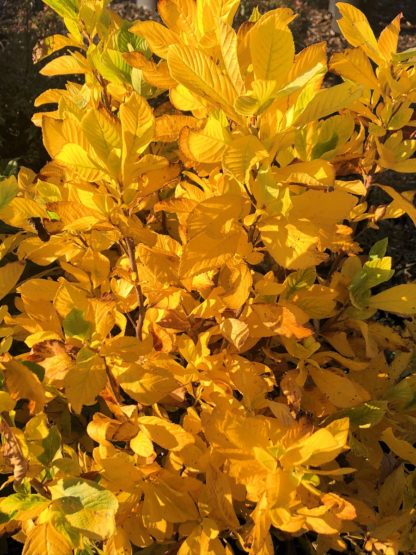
(192,355)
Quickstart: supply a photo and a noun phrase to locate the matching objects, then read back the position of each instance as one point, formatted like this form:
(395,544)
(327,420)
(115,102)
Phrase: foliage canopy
(191,359)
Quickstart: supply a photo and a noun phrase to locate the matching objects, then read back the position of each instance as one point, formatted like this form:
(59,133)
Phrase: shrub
(192,359)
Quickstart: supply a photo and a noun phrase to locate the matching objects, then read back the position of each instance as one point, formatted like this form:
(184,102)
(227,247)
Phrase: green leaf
(43,440)
(373,273)
(321,148)
(299,280)
(21,506)
(379,249)
(91,509)
(64,8)
(75,326)
(127,41)
(8,190)
(35,368)
(365,415)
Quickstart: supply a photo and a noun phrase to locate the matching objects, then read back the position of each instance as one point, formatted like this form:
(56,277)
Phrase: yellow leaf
(51,44)
(65,65)
(228,45)
(389,38)
(220,498)
(180,16)
(208,144)
(327,102)
(319,448)
(354,65)
(235,331)
(142,445)
(44,539)
(215,254)
(400,202)
(399,300)
(390,495)
(291,247)
(267,320)
(400,447)
(75,159)
(165,433)
(6,402)
(85,381)
(356,29)
(168,128)
(157,36)
(162,502)
(212,13)
(147,386)
(340,390)
(156,75)
(22,383)
(9,276)
(137,123)
(242,155)
(102,132)
(118,544)
(197,71)
(19,211)
(272,47)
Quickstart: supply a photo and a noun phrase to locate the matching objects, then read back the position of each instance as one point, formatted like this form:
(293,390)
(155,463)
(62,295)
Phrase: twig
(131,253)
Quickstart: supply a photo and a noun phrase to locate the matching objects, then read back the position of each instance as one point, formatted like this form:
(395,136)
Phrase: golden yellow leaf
(220,498)
(20,210)
(168,128)
(156,75)
(228,44)
(242,155)
(44,539)
(78,162)
(65,65)
(400,202)
(194,69)
(342,391)
(389,38)
(326,102)
(22,383)
(400,447)
(208,144)
(157,36)
(137,124)
(146,385)
(356,29)
(142,445)
(400,299)
(235,331)
(272,47)
(319,448)
(165,433)
(85,381)
(353,64)
(9,276)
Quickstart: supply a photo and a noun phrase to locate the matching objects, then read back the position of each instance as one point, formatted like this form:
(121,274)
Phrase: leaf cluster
(199,366)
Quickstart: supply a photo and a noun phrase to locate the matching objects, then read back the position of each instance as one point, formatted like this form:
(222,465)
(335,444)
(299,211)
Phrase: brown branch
(131,253)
